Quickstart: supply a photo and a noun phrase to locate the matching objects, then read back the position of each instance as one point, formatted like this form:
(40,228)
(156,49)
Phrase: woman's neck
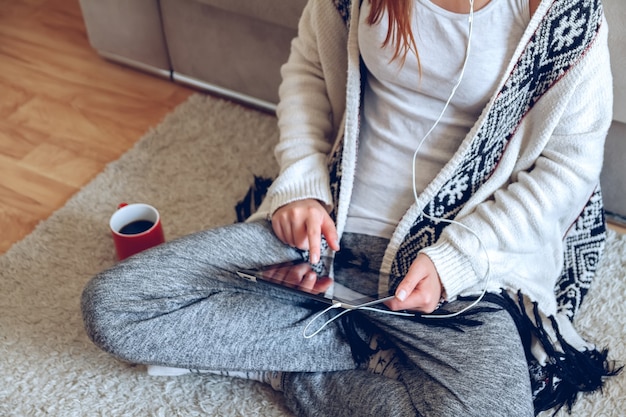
(460,6)
(463,6)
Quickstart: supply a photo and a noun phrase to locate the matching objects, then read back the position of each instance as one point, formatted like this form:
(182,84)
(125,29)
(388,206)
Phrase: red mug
(135,228)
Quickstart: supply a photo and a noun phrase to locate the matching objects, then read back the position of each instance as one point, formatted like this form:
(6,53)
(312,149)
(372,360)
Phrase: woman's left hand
(421,288)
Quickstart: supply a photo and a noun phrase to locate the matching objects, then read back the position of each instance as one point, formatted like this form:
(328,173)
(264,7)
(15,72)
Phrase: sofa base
(616,219)
(160,72)
(221,47)
(191,82)
(221,91)
(612,177)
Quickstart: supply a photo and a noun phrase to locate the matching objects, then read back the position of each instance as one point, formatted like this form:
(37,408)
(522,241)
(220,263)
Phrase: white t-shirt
(401,105)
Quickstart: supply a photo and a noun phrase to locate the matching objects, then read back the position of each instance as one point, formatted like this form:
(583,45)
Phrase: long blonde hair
(399,32)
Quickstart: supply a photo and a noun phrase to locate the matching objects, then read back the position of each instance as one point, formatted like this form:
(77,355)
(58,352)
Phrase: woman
(453,145)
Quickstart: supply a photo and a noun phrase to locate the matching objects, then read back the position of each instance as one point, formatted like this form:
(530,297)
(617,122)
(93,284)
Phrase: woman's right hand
(302,223)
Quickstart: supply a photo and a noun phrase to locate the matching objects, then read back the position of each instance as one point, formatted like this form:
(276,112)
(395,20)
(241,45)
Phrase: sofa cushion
(280,12)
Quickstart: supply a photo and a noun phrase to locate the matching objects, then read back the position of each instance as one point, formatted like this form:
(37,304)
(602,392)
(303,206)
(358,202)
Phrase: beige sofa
(231,47)
(614,173)
(236,47)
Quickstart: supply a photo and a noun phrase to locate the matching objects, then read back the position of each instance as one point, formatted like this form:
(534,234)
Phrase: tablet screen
(349,284)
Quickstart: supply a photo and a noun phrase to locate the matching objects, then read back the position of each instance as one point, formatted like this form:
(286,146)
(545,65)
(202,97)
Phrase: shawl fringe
(567,371)
(359,342)
(250,203)
(555,384)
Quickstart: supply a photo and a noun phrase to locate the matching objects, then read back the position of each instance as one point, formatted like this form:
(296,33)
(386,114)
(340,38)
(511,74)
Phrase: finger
(299,236)
(409,283)
(426,300)
(314,236)
(295,274)
(281,224)
(322,284)
(410,302)
(308,282)
(295,229)
(425,297)
(329,231)
(278,230)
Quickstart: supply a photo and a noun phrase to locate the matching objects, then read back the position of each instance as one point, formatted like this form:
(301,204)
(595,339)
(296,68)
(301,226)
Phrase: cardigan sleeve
(305,111)
(556,168)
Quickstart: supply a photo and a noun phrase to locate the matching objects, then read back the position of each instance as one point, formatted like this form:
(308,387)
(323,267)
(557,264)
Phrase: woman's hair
(399,33)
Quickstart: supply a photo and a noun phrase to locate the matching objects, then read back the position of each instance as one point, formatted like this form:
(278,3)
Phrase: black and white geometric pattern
(584,244)
(566,33)
(569,28)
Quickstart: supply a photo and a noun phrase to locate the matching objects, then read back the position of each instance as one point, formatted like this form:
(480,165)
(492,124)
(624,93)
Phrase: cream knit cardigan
(524,184)
(520,180)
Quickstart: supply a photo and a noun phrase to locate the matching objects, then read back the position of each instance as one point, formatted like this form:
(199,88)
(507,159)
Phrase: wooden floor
(64,111)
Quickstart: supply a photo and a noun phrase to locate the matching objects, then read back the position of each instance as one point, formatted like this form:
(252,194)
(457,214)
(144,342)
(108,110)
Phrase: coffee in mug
(135,228)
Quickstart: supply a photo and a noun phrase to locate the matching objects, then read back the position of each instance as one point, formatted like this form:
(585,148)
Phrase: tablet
(350,285)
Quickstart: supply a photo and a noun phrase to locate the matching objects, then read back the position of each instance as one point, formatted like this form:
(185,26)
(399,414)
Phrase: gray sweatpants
(182,305)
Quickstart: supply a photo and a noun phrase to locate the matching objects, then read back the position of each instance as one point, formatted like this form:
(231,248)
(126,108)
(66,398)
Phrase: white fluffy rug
(193,167)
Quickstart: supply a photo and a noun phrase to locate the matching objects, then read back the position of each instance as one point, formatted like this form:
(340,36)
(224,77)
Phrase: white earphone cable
(415,195)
